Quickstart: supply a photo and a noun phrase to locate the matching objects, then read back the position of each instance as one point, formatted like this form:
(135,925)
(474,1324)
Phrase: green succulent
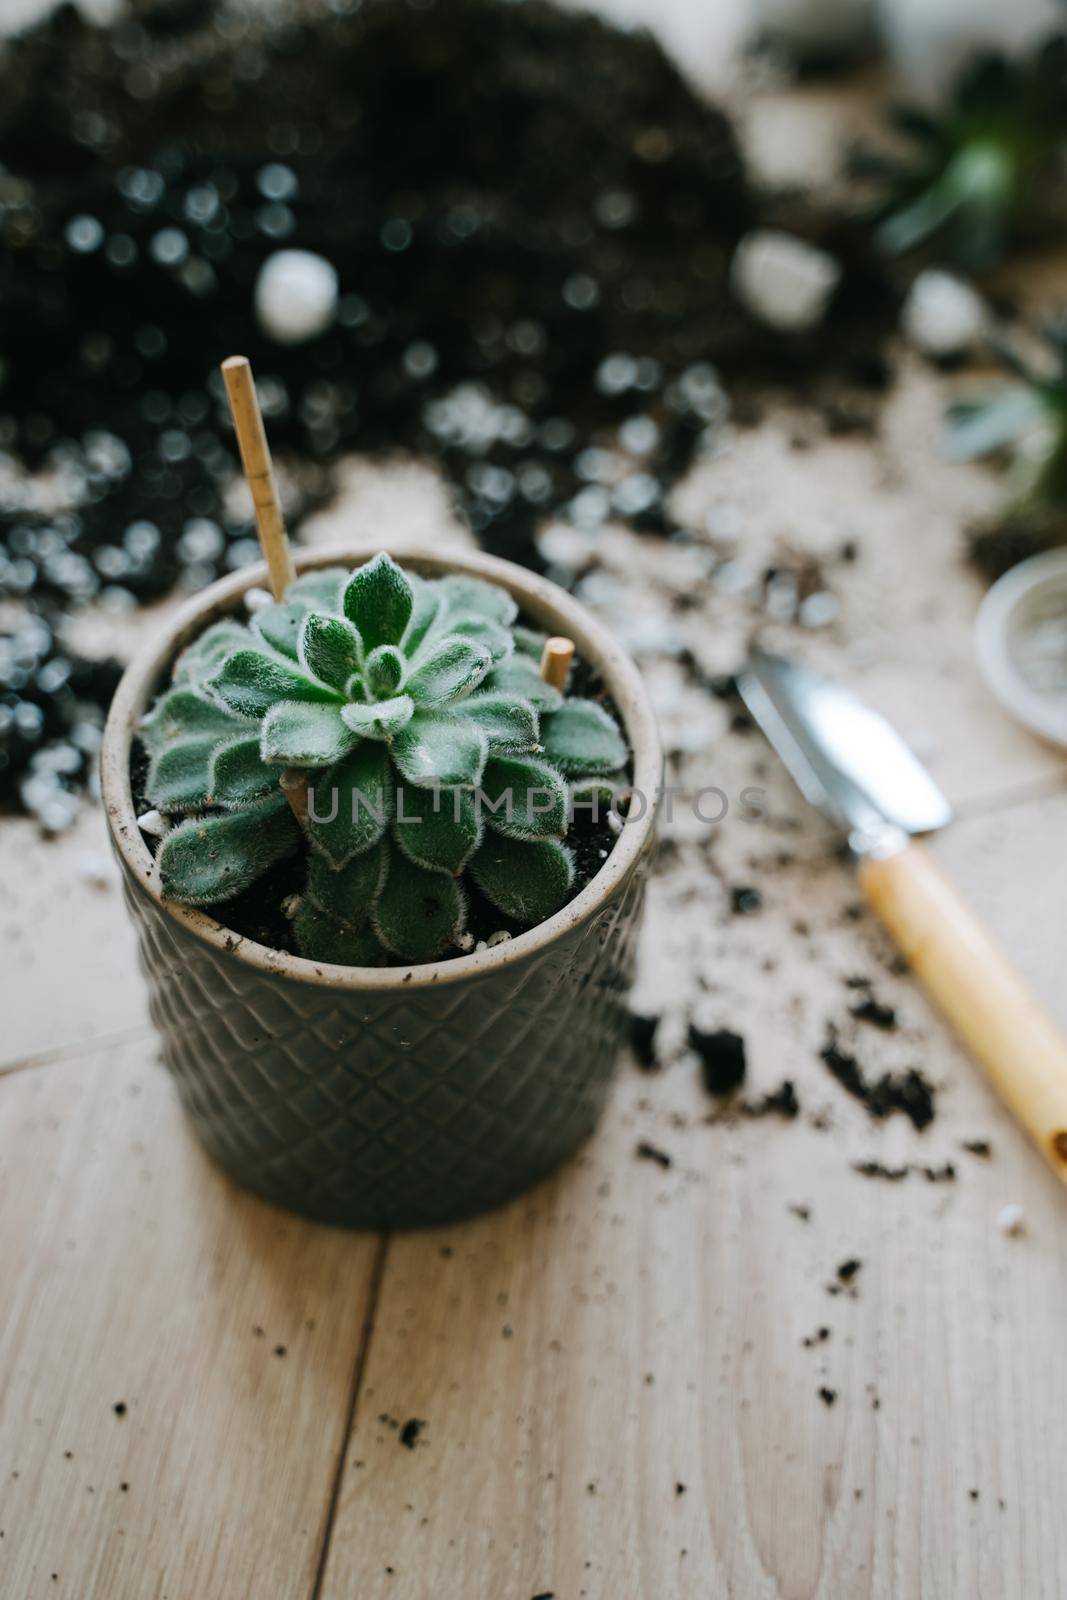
(1027,421)
(432,749)
(984,171)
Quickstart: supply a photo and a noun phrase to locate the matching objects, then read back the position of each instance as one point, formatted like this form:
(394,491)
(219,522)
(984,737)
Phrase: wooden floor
(619,1387)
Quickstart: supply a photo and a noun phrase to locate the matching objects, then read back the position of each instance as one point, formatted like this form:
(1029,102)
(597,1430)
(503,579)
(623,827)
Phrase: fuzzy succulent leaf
(596,794)
(519,675)
(320,937)
(418,913)
(582,738)
(529,641)
(466,596)
(184,714)
(330,649)
(250,683)
(350,804)
(427,607)
(210,859)
(452,668)
(347,895)
(238,775)
(524,798)
(299,734)
(379,599)
(527,881)
(492,636)
(279,626)
(320,590)
(438,828)
(384,672)
(381,720)
(179,779)
(508,722)
(200,659)
(439,747)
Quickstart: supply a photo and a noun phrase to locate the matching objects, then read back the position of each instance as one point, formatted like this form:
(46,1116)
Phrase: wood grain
(136,1275)
(629,1329)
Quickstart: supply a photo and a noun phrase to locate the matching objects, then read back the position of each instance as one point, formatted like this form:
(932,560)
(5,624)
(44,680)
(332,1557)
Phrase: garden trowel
(847,760)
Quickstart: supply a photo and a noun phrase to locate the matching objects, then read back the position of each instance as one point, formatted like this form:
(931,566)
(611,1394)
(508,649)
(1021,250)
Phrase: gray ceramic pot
(405,1096)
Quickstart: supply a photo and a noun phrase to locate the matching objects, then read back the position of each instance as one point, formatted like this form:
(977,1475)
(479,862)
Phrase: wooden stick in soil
(556,661)
(270,524)
(259,470)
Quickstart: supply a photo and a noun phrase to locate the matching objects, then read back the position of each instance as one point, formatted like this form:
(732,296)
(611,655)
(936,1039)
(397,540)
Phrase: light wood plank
(135,1274)
(626,1329)
(70,958)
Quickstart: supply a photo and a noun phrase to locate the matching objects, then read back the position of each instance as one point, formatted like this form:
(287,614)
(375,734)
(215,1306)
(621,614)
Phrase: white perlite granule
(784,281)
(1011,1220)
(942,315)
(296,296)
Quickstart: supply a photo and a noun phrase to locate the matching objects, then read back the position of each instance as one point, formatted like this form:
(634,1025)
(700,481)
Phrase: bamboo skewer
(556,661)
(259,471)
(270,524)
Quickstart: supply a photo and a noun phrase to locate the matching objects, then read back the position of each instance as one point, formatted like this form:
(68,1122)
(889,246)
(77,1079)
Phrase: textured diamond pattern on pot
(397,1107)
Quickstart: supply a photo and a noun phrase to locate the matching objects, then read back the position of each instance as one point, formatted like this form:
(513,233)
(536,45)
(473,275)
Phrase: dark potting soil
(503,305)
(722,1058)
(258,913)
(907,1092)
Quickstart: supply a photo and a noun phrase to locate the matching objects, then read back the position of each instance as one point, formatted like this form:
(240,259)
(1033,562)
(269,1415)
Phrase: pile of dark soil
(531,216)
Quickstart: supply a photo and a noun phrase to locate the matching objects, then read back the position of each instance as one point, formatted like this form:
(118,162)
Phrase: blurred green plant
(1025,422)
(983,172)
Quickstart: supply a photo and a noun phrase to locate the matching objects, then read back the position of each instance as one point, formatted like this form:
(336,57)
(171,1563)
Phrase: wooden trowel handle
(990,1007)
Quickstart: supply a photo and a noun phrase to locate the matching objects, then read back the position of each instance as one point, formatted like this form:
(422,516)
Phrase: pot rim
(542,600)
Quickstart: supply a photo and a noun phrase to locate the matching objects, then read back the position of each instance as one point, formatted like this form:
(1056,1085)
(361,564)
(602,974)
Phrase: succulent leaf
(526,881)
(184,714)
(250,683)
(453,667)
(519,675)
(582,738)
(437,828)
(439,747)
(426,610)
(529,641)
(320,590)
(597,794)
(350,804)
(418,913)
(279,626)
(379,599)
(508,722)
(200,659)
(524,798)
(208,859)
(384,671)
(320,937)
(466,596)
(238,775)
(330,648)
(301,734)
(490,635)
(381,720)
(347,895)
(980,427)
(179,779)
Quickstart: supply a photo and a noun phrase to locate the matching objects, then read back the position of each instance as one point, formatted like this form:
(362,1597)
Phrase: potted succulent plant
(382,739)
